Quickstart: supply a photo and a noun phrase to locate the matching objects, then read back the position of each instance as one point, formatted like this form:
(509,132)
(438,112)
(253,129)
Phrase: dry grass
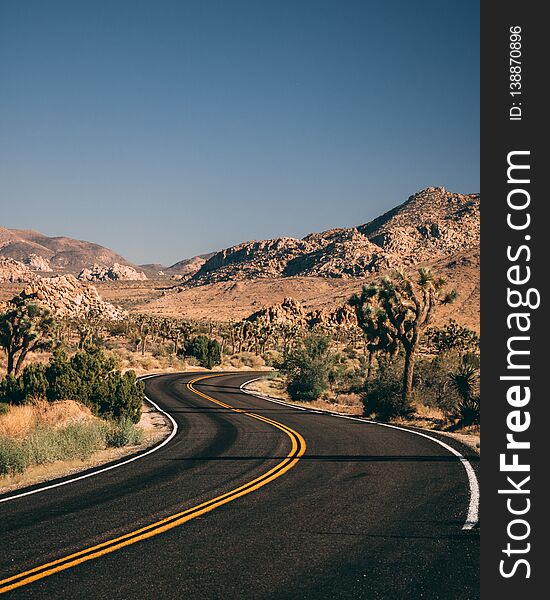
(18,421)
(143,364)
(243,361)
(153,424)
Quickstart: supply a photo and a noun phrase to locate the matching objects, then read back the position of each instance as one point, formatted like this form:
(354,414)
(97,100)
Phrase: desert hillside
(62,254)
(235,300)
(434,227)
(432,224)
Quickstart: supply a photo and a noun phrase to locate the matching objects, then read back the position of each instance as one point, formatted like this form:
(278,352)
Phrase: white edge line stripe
(104,469)
(473,507)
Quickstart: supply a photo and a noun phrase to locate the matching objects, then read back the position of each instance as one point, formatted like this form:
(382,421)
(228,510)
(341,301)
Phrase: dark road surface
(367,512)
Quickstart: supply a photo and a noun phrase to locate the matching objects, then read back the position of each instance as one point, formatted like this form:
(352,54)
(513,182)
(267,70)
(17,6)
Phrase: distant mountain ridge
(430,225)
(60,253)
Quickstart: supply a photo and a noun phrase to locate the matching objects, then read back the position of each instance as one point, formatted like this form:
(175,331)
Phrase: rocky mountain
(65,296)
(115,272)
(187,267)
(430,225)
(62,254)
(13,271)
(292,312)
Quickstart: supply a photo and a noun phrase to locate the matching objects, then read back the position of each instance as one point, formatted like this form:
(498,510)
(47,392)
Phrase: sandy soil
(236,300)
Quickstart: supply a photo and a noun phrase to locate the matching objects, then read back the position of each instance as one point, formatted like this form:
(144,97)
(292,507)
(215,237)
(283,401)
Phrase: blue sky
(164,129)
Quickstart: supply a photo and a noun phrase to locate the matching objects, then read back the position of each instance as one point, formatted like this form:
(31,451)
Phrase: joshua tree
(24,327)
(396,310)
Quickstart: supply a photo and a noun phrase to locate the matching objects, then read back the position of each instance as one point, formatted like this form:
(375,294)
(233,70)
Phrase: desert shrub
(452,337)
(13,458)
(308,367)
(273,358)
(383,397)
(432,385)
(76,440)
(123,433)
(46,444)
(465,381)
(246,359)
(90,376)
(10,390)
(116,328)
(206,350)
(351,399)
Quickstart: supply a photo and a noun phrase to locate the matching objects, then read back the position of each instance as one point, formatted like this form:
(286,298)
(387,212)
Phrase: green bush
(432,385)
(90,377)
(383,396)
(308,367)
(206,350)
(10,390)
(123,433)
(13,458)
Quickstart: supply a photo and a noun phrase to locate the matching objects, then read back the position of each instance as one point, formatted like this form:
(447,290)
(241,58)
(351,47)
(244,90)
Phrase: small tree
(206,350)
(25,327)
(308,367)
(397,310)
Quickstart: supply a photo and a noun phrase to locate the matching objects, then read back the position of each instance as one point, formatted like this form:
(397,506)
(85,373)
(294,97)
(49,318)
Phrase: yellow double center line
(298,447)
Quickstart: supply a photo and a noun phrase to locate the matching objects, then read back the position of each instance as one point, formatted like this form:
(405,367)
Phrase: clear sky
(164,129)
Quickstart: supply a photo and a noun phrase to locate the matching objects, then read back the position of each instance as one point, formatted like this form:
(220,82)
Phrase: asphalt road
(366,512)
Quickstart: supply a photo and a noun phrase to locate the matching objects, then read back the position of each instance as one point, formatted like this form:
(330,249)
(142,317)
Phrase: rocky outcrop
(65,296)
(13,271)
(344,254)
(38,263)
(431,224)
(251,260)
(289,311)
(115,272)
(186,268)
(292,312)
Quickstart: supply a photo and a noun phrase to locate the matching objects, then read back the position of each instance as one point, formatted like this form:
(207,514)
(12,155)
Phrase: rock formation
(65,296)
(13,271)
(292,312)
(115,272)
(38,263)
(430,225)
(184,269)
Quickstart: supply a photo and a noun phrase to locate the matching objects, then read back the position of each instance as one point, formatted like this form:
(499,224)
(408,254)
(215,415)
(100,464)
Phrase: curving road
(260,502)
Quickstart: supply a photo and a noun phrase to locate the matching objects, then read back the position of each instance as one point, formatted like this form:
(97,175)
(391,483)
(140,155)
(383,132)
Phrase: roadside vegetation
(34,396)
(394,365)
(400,368)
